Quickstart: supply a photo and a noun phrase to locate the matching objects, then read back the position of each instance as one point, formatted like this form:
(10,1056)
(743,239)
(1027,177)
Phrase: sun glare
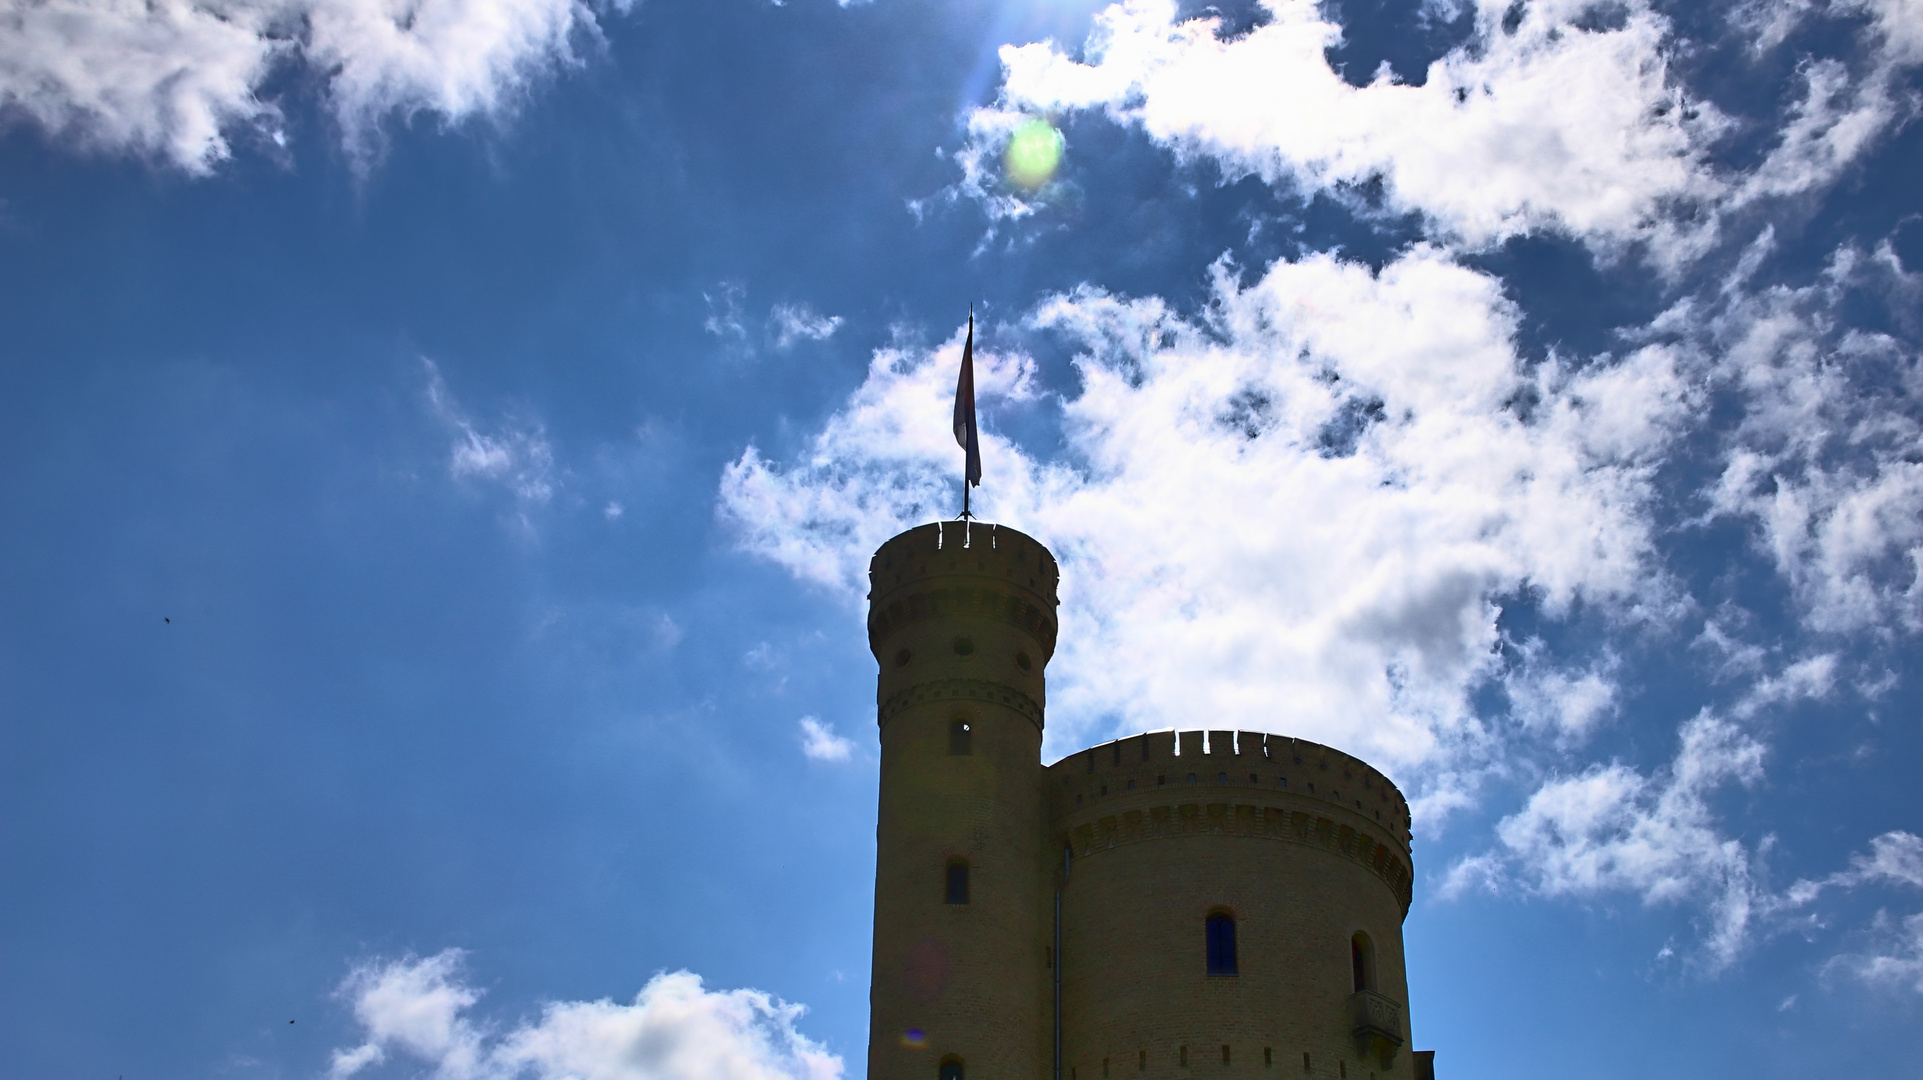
(1034,153)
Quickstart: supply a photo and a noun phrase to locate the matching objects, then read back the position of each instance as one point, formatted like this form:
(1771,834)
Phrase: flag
(965,435)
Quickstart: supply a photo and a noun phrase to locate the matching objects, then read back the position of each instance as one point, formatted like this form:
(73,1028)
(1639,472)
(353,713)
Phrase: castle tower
(1234,911)
(962,622)
(1220,905)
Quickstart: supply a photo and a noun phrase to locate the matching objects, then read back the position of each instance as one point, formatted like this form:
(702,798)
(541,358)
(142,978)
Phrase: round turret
(962,623)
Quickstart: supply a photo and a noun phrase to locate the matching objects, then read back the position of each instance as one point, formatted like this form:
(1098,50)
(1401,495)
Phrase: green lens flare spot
(1034,153)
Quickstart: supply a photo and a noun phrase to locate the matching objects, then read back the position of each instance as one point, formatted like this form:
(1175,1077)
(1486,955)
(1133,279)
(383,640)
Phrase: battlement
(963,569)
(971,548)
(1232,762)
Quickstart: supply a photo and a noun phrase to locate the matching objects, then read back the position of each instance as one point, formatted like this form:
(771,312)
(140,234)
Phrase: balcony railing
(1377,1025)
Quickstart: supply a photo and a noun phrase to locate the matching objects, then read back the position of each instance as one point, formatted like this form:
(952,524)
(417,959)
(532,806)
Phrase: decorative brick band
(964,602)
(1228,819)
(962,690)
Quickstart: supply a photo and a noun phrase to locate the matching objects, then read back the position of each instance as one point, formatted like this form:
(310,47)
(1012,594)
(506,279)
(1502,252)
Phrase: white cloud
(1546,125)
(1301,515)
(451,58)
(1893,952)
(820,743)
(178,80)
(1547,118)
(724,311)
(675,1029)
(1895,858)
(514,456)
(1569,704)
(1611,828)
(797,322)
(1822,462)
(1895,955)
(167,79)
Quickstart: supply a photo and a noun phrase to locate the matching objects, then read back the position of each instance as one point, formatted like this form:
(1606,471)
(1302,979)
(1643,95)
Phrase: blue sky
(442,441)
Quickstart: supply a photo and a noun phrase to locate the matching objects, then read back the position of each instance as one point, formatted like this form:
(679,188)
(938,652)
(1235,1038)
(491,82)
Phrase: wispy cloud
(515,456)
(820,743)
(800,322)
(725,318)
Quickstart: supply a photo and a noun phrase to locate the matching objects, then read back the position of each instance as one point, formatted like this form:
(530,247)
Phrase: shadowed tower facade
(1195,905)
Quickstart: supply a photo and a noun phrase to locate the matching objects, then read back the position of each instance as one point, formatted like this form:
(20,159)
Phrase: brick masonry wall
(962,621)
(1300,873)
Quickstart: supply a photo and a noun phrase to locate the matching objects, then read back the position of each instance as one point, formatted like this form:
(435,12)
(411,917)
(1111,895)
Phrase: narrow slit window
(961,737)
(1221,943)
(956,885)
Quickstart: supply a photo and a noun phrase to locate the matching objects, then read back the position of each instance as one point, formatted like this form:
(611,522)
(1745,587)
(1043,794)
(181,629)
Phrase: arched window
(1221,943)
(951,1068)
(961,737)
(956,890)
(1362,960)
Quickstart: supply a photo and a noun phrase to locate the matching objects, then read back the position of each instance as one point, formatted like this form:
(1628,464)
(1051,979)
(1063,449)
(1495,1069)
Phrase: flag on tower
(965,434)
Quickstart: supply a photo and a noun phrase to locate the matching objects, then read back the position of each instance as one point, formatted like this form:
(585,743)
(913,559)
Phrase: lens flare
(913,1039)
(1034,153)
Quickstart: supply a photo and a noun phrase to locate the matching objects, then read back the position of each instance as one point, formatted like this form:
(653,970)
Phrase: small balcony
(1377,1025)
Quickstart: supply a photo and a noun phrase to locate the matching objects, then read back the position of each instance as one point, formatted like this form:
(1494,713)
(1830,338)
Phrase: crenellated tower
(962,621)
(1177,905)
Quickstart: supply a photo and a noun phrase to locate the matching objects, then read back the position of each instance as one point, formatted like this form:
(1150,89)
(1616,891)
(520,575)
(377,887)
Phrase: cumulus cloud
(674,1029)
(1302,512)
(169,79)
(517,457)
(1561,116)
(1538,122)
(820,743)
(1612,828)
(179,80)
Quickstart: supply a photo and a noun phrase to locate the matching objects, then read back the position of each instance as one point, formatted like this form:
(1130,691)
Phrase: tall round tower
(962,621)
